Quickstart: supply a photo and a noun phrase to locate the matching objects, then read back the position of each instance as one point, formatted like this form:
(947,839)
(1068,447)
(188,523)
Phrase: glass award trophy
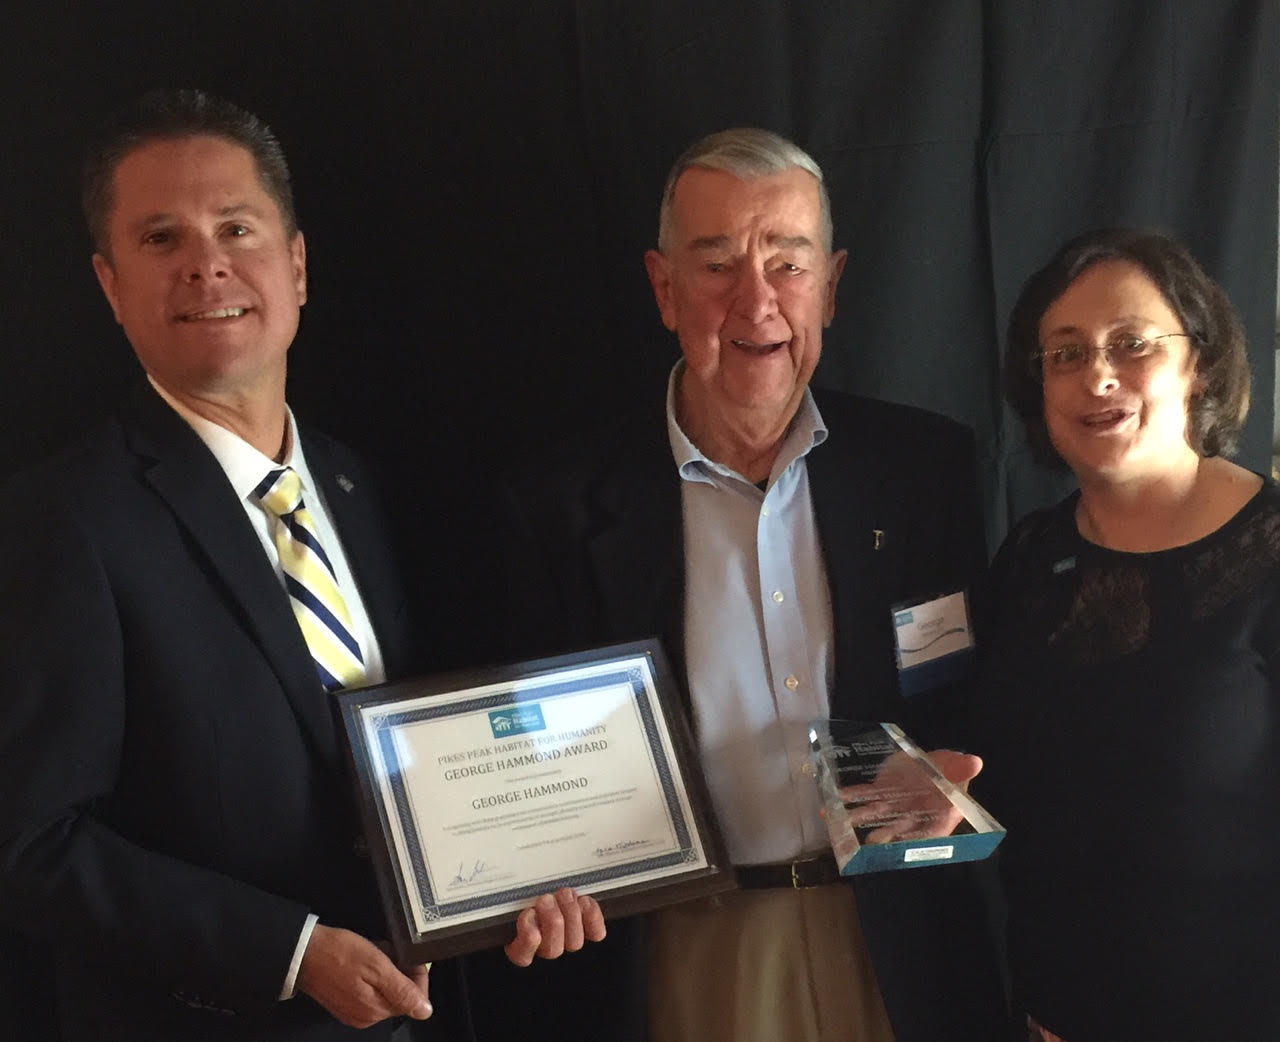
(887,806)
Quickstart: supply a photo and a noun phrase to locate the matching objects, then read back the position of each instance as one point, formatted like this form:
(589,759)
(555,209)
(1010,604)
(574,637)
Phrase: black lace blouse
(1130,721)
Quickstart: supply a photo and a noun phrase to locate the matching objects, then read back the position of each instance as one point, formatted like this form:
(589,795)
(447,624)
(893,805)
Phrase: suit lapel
(636,547)
(184,474)
(351,503)
(847,483)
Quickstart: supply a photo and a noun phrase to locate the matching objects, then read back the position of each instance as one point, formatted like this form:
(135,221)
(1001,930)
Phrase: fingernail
(422,1011)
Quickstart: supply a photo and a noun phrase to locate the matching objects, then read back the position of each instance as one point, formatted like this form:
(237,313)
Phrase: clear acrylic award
(887,806)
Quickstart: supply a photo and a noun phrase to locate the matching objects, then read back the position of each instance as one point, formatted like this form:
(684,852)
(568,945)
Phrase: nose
(204,260)
(754,295)
(1100,373)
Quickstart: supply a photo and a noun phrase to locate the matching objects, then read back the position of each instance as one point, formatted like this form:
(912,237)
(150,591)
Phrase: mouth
(213,314)
(758,348)
(1106,419)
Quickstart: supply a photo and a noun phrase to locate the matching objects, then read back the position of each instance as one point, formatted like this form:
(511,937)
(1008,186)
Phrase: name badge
(933,640)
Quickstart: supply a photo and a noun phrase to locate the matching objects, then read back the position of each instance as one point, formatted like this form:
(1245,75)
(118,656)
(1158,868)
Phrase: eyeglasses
(1120,350)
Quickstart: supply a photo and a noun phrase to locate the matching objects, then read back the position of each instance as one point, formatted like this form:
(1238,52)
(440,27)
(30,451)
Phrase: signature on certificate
(465,875)
(622,846)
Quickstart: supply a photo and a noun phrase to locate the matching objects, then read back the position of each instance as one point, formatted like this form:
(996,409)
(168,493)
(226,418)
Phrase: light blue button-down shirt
(758,638)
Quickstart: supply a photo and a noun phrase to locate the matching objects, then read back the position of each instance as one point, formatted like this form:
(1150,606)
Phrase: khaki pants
(764,966)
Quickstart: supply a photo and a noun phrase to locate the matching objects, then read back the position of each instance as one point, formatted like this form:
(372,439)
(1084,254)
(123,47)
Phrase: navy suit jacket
(173,793)
(597,556)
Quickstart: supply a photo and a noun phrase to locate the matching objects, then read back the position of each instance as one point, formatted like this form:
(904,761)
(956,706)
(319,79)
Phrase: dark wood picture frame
(617,896)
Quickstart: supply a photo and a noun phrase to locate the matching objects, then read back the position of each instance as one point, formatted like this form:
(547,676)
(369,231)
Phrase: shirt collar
(244,465)
(806,432)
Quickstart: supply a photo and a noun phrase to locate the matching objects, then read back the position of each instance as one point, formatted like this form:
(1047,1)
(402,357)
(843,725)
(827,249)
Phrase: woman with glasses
(1131,707)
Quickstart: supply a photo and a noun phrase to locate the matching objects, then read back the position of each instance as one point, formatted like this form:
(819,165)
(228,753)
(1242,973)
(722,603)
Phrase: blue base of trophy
(919,853)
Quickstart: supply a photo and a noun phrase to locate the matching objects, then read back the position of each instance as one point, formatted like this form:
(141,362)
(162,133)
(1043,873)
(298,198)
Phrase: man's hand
(958,768)
(357,983)
(555,924)
(900,804)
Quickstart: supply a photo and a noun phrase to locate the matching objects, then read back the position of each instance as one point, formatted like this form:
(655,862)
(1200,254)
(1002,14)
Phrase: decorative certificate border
(426,920)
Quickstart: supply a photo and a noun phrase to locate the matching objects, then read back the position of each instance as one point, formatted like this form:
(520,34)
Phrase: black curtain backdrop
(478,180)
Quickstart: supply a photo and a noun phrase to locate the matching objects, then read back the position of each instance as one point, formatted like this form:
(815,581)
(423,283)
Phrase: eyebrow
(717,242)
(1123,320)
(234,210)
(709,242)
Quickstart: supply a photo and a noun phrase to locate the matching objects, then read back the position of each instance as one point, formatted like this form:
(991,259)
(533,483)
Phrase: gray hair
(746,153)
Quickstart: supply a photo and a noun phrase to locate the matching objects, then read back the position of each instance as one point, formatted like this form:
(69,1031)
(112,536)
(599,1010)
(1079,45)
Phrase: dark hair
(167,115)
(1216,414)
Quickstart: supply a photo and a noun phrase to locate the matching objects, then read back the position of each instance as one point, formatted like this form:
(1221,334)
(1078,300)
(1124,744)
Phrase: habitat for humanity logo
(516,720)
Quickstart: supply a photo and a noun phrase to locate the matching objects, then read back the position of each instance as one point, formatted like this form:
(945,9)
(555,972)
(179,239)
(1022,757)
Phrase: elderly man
(766,532)
(187,588)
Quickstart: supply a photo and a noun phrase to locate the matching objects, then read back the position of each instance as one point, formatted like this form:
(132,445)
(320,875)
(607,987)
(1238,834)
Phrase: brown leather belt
(819,870)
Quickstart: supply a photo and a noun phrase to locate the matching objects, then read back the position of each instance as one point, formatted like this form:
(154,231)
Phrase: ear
(1198,382)
(107,280)
(298,260)
(659,269)
(835,268)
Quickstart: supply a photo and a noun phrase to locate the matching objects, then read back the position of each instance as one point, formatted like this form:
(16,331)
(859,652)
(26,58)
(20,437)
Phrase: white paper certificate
(497,793)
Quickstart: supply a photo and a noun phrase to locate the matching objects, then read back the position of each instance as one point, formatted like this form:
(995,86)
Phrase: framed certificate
(481,790)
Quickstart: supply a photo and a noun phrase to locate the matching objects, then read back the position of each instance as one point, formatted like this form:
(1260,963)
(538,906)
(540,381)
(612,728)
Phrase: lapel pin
(879,534)
(345,483)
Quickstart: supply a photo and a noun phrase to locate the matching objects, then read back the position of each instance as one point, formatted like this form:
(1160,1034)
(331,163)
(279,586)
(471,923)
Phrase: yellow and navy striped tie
(309,577)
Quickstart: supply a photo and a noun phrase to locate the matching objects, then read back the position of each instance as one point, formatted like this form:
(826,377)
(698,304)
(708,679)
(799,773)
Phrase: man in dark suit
(766,533)
(174,815)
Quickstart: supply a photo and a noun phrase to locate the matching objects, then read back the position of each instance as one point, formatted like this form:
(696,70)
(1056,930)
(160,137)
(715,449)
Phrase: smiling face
(1114,421)
(202,275)
(747,285)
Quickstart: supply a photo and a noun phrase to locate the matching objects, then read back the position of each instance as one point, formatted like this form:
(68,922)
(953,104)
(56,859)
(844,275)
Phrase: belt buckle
(797,883)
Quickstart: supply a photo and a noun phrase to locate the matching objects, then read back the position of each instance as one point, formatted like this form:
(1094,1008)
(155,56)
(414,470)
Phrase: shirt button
(807,770)
(764,511)
(792,683)
(778,598)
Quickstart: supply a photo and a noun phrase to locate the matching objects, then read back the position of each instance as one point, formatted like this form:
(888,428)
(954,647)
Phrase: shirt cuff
(291,979)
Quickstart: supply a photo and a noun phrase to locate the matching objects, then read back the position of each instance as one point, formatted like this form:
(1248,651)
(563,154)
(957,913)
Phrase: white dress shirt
(758,638)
